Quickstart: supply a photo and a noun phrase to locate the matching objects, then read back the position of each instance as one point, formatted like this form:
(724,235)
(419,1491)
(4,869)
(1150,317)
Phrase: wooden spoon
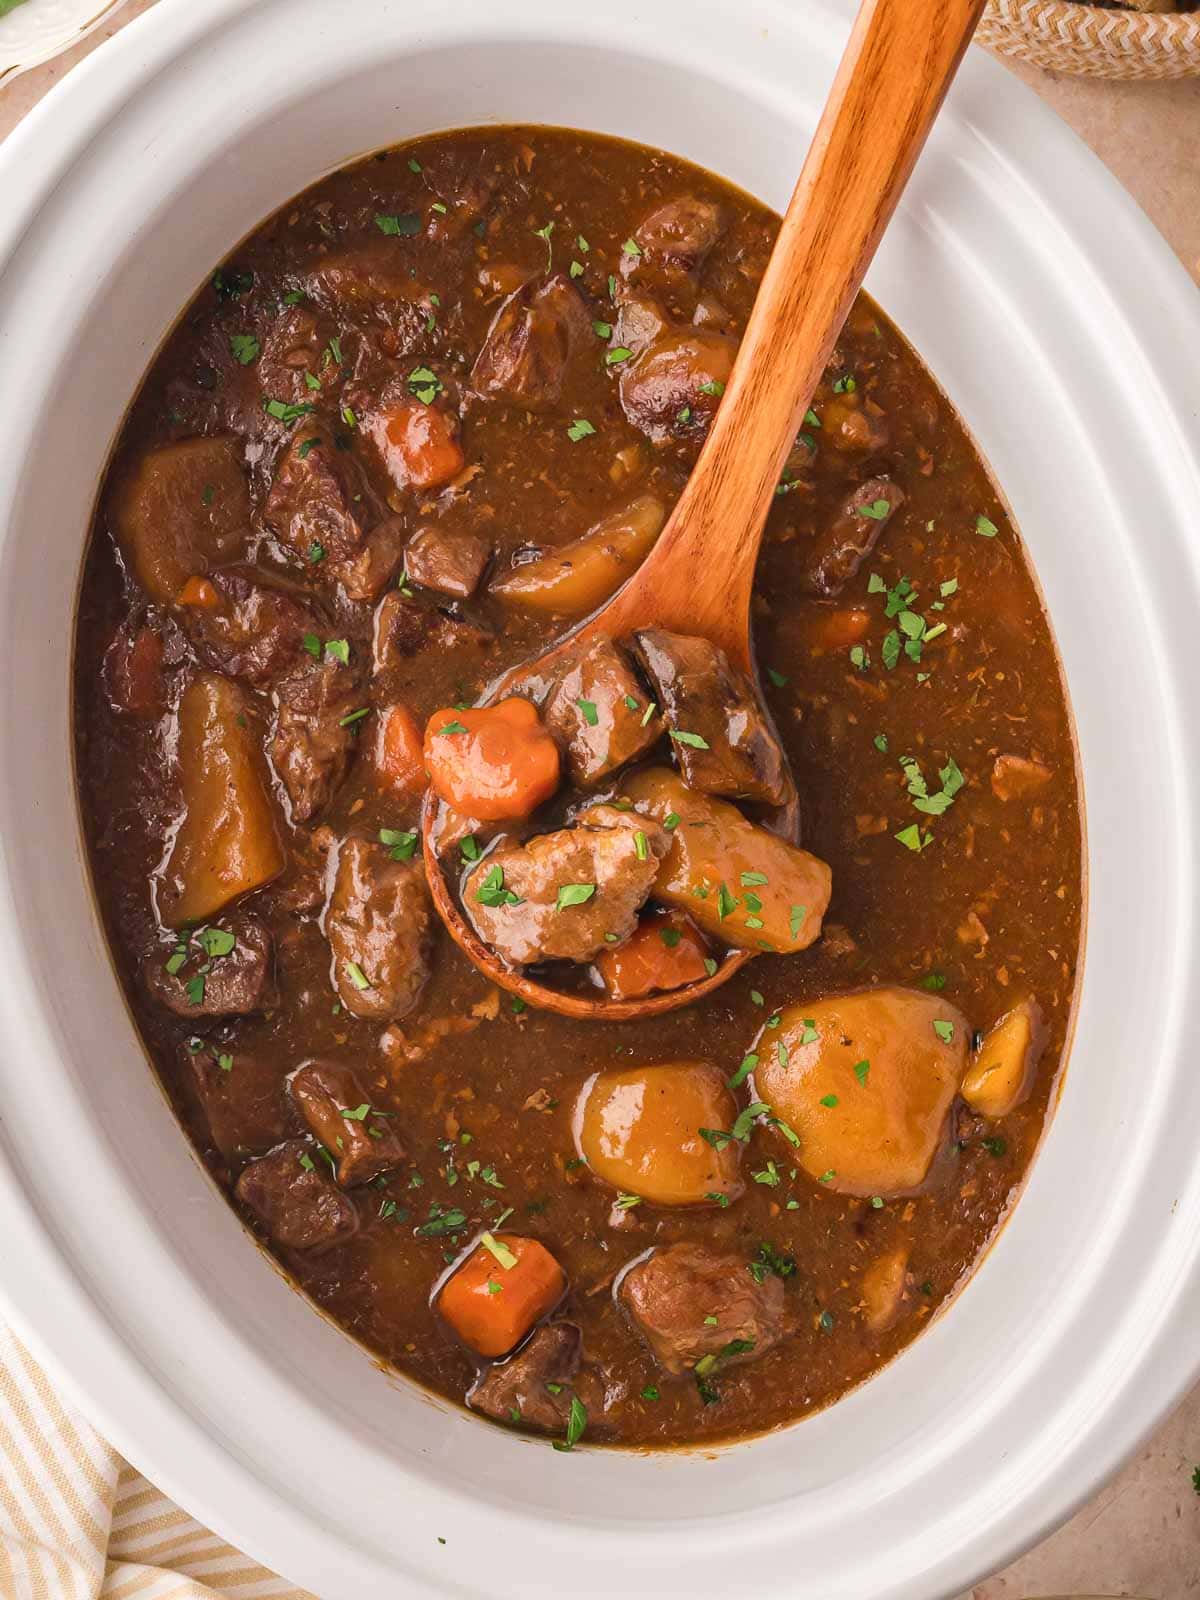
(898,65)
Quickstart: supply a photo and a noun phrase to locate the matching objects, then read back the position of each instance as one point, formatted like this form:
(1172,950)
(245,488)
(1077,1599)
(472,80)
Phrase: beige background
(1141,1535)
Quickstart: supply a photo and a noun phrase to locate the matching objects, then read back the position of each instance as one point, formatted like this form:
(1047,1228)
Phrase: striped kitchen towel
(78,1523)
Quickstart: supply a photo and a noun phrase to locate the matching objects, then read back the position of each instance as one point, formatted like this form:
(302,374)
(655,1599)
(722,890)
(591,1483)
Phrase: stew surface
(425,419)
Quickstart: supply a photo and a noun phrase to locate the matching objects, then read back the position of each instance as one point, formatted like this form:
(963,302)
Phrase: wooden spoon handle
(898,65)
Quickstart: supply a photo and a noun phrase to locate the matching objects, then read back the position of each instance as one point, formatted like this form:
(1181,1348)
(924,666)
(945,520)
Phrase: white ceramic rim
(39,45)
(1015,254)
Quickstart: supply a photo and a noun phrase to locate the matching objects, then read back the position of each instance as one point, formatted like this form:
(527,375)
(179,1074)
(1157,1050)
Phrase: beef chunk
(404,628)
(673,1296)
(723,742)
(613,854)
(525,355)
(450,563)
(320,506)
(380,931)
(133,671)
(291,1193)
(676,384)
(179,510)
(597,711)
(516,1390)
(293,351)
(216,971)
(837,551)
(639,322)
(364,576)
(674,242)
(249,628)
(311,740)
(374,276)
(242,1093)
(333,1103)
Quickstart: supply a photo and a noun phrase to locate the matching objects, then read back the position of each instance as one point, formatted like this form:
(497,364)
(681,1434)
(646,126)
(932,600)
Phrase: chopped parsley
(573,894)
(401,226)
(245,347)
(577,1419)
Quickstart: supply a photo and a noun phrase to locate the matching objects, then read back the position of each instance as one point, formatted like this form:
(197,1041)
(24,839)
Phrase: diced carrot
(133,672)
(492,762)
(506,1285)
(398,757)
(837,630)
(419,444)
(200,593)
(666,952)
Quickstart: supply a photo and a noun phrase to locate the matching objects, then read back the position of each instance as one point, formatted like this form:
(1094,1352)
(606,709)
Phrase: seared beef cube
(243,1096)
(835,553)
(318,503)
(291,1193)
(675,385)
(216,971)
(312,738)
(247,628)
(597,710)
(639,322)
(450,563)
(133,671)
(364,576)
(380,931)
(370,276)
(333,1103)
(294,351)
(524,358)
(301,890)
(722,741)
(701,1310)
(674,242)
(566,896)
(179,510)
(403,628)
(533,1387)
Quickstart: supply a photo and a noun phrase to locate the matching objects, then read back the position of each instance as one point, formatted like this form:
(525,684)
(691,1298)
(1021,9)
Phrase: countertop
(1140,1536)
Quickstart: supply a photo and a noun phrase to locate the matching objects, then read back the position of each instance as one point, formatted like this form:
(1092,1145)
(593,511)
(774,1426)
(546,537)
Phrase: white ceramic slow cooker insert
(1067,336)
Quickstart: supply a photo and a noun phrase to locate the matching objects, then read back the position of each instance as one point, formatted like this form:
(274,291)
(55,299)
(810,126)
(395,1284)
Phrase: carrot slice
(491,762)
(506,1285)
(198,592)
(419,445)
(666,952)
(837,630)
(398,757)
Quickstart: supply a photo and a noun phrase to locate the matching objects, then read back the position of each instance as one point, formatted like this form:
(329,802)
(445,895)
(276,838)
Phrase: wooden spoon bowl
(898,65)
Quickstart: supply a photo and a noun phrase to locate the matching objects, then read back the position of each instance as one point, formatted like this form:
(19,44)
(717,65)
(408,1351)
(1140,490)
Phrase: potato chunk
(884,1288)
(1001,1073)
(228,842)
(638,1128)
(181,510)
(577,577)
(866,1080)
(742,884)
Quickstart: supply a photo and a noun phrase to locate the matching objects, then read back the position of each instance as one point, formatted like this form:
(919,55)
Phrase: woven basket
(1069,37)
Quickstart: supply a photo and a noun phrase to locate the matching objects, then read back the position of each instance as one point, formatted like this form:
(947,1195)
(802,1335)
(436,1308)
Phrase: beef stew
(431,413)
